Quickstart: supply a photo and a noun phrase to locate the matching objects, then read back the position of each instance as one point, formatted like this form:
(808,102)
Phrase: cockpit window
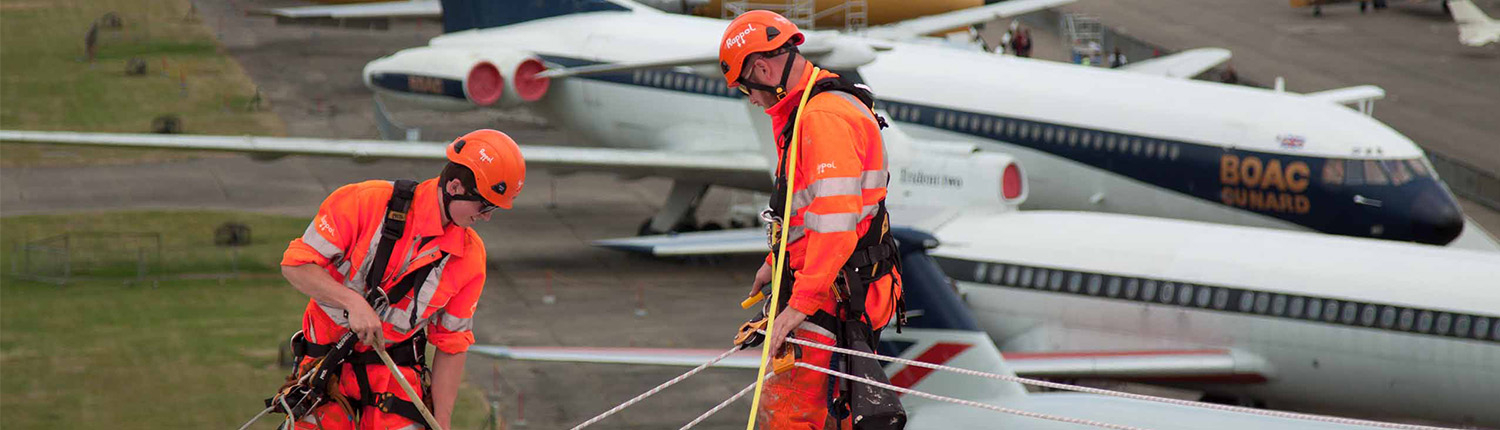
(1354,172)
(1374,175)
(1417,167)
(1397,171)
(1333,172)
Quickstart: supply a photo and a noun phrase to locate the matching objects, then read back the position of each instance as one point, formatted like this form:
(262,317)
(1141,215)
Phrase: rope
(1081,421)
(719,407)
(653,391)
(400,378)
(1103,392)
(791,181)
(257,417)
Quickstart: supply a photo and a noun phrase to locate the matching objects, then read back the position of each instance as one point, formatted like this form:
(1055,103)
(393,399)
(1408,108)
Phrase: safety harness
(875,256)
(317,382)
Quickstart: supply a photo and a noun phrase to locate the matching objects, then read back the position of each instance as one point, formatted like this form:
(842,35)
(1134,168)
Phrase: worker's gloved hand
(748,337)
(365,324)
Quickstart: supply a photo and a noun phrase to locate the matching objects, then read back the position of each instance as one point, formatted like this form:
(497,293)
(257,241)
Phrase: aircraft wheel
(710,226)
(646,230)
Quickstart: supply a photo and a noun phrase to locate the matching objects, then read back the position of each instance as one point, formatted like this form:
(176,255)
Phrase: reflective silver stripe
(312,238)
(868,211)
(859,106)
(795,234)
(868,179)
(809,326)
(357,281)
(335,314)
(830,223)
(399,318)
(413,427)
(874,179)
(453,323)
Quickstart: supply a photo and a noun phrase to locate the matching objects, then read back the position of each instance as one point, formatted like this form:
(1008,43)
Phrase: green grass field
(46,83)
(186,353)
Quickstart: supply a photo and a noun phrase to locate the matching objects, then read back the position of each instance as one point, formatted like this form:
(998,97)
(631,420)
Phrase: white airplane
(1349,324)
(1289,320)
(1474,27)
(1144,143)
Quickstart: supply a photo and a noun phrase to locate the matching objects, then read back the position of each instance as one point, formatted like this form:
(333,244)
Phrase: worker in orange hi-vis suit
(845,279)
(409,246)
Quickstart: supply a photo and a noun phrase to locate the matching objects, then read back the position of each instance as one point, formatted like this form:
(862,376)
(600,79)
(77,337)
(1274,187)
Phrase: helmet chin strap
(447,201)
(786,73)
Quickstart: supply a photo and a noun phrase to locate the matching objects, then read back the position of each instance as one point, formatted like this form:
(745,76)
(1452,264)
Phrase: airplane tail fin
(460,15)
(1465,12)
(1474,27)
(941,331)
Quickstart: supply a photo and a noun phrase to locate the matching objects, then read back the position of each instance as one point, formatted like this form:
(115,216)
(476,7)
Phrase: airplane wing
(741,170)
(355,12)
(1220,366)
(1185,64)
(916,27)
(747,359)
(1206,365)
(738,241)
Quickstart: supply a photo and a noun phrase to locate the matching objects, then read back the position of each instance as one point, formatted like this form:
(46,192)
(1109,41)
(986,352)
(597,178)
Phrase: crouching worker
(843,271)
(394,264)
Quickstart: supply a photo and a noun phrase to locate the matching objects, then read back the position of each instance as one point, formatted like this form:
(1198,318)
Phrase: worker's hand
(364,323)
(762,277)
(786,321)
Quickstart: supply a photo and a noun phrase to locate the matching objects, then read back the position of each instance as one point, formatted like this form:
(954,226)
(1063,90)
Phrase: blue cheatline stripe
(1237,300)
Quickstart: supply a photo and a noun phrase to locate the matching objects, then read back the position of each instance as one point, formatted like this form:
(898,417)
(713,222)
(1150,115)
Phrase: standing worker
(843,285)
(397,262)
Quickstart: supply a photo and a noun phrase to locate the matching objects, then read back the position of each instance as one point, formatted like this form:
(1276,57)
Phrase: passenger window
(1278,305)
(1407,319)
(1444,322)
(1168,292)
(1350,312)
(1150,149)
(1333,172)
(1174,152)
(1331,311)
(1185,294)
(1221,298)
(1112,291)
(1076,281)
(1295,309)
(989,126)
(1109,143)
(1057,281)
(1135,146)
(1481,327)
(1047,134)
(1314,308)
(1373,174)
(963,122)
(1461,326)
(1354,172)
(1010,128)
(1133,287)
(1247,300)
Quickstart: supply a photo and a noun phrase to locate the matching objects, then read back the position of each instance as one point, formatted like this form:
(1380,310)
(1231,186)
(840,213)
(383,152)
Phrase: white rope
(720,406)
(1103,392)
(653,391)
(262,413)
(968,402)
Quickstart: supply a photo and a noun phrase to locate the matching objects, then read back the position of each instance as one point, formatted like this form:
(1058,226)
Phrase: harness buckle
(773,228)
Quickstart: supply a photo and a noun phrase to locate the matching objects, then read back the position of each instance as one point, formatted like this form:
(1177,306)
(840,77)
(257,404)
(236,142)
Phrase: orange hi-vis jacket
(342,239)
(841,181)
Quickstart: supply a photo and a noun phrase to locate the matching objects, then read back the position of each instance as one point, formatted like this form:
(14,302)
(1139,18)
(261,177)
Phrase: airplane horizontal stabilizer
(739,241)
(395,9)
(922,26)
(1349,95)
(1185,64)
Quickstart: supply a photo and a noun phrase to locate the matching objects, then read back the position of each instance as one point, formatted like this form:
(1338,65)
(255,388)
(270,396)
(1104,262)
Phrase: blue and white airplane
(1141,141)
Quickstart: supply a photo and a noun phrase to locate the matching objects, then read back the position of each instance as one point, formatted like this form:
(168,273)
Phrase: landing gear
(1363,5)
(1317,10)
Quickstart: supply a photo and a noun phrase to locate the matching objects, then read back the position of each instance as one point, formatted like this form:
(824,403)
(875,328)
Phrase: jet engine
(458,79)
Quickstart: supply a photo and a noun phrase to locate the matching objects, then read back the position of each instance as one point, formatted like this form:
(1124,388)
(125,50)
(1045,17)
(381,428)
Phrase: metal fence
(69,256)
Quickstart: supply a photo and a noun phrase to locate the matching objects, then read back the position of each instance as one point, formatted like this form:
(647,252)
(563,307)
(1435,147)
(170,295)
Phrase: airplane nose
(1436,218)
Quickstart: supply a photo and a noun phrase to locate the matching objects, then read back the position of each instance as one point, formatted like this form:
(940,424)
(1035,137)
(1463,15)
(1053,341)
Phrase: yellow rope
(791,177)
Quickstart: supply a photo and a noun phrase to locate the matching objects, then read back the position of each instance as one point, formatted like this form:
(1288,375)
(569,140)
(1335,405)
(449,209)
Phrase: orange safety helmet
(752,32)
(495,159)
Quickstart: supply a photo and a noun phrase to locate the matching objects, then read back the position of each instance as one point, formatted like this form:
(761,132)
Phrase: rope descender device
(791,181)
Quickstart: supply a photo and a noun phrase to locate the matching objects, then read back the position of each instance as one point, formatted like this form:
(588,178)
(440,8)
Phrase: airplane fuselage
(1092,139)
